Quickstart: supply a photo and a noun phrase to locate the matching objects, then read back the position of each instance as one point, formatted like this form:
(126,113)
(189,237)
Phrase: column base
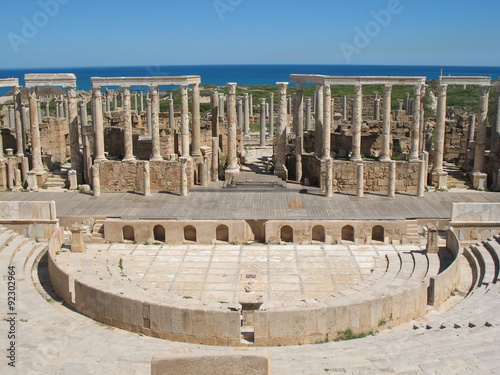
(129,158)
(479,180)
(385,159)
(281,172)
(230,173)
(156,158)
(439,179)
(356,159)
(413,158)
(98,160)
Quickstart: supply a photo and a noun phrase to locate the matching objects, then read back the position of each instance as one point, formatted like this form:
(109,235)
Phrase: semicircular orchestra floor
(219,273)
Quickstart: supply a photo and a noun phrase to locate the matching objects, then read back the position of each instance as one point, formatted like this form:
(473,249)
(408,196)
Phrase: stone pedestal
(479,180)
(432,240)
(73,179)
(32,181)
(439,179)
(77,244)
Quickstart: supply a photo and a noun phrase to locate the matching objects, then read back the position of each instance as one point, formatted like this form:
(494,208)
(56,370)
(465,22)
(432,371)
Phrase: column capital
(231,87)
(299,86)
(32,93)
(358,87)
(17,90)
(387,89)
(96,91)
(484,90)
(153,89)
(126,90)
(71,91)
(282,87)
(417,89)
(327,89)
(442,88)
(262,100)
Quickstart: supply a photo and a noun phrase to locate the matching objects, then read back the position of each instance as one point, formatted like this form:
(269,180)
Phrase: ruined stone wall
(54,138)
(129,176)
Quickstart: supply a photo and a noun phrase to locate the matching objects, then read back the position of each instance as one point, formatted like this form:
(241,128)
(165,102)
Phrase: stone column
(251,105)
(327,122)
(344,107)
(240,114)
(298,158)
(149,117)
(222,112)
(74,136)
(308,113)
(422,117)
(73,179)
(96,181)
(407,105)
(25,168)
(47,108)
(280,168)
(146,179)
(127,133)
(203,171)
(83,114)
(196,132)
(214,100)
(271,115)
(155,125)
(142,101)
(262,122)
(391,188)
(232,165)
(415,127)
(246,117)
(184,180)
(318,131)
(439,132)
(298,111)
(18,118)
(439,177)
(481,130)
(376,109)
(329,178)
(97,120)
(115,100)
(36,149)
(422,174)
(356,124)
(400,104)
(171,114)
(472,129)
(495,129)
(39,111)
(10,174)
(135,101)
(184,121)
(360,180)
(214,171)
(58,108)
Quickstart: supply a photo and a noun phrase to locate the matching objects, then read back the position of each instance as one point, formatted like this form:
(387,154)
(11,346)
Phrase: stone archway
(318,233)
(348,233)
(159,233)
(378,233)
(189,233)
(286,233)
(222,233)
(128,233)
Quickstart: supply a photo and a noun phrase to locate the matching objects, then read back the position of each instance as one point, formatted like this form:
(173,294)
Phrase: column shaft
(232,166)
(298,111)
(386,127)
(262,122)
(415,127)
(74,136)
(356,123)
(18,117)
(280,168)
(327,122)
(196,121)
(391,190)
(495,131)
(318,131)
(440,128)
(360,183)
(308,113)
(214,99)
(36,149)
(127,133)
(155,124)
(246,117)
(184,121)
(271,115)
(98,125)
(482,120)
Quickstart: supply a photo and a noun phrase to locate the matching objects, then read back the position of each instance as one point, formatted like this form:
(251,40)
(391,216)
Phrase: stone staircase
(457,178)
(57,179)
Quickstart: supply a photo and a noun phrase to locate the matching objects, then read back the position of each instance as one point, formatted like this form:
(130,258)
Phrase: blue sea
(219,75)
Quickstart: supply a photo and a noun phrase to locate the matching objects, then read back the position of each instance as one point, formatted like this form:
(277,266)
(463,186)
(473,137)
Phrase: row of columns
(153,113)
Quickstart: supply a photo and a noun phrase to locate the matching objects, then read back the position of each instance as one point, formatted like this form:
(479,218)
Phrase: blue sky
(70,33)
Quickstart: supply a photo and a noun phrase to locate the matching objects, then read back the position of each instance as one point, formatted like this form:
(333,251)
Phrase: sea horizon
(253,74)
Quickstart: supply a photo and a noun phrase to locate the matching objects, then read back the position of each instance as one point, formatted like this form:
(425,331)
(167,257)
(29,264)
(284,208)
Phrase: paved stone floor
(278,272)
